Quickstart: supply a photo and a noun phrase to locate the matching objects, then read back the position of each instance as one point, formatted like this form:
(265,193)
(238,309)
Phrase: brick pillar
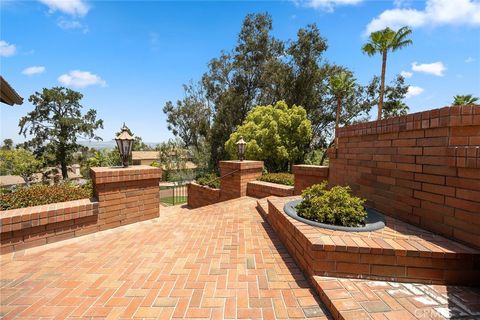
(308,175)
(234,185)
(126,195)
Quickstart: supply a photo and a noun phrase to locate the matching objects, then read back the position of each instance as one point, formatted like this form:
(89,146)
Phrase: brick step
(398,252)
(367,299)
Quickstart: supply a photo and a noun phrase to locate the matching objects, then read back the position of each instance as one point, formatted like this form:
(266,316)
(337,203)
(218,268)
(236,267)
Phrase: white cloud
(326,5)
(435,68)
(7,49)
(414,91)
(71,7)
(469,60)
(81,79)
(34,70)
(71,24)
(436,12)
(406,74)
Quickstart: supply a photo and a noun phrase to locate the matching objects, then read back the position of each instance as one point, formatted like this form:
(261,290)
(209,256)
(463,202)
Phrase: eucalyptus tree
(462,100)
(382,42)
(57,122)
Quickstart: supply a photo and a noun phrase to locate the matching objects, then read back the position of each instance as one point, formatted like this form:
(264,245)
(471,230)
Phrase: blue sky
(128,58)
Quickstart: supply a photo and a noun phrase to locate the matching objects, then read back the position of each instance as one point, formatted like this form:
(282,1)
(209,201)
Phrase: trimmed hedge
(209,180)
(335,206)
(280,178)
(43,194)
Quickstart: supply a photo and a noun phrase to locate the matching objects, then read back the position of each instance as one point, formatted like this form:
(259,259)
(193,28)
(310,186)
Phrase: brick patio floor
(221,261)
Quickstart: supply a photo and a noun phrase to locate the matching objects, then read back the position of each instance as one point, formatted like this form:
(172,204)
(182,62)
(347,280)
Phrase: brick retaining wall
(262,189)
(423,168)
(199,196)
(308,175)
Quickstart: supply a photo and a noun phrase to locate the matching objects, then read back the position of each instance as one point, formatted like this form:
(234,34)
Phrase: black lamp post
(124,143)
(241,144)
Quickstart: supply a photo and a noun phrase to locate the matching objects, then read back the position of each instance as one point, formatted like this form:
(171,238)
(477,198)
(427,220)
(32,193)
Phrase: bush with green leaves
(210,179)
(43,194)
(284,178)
(335,206)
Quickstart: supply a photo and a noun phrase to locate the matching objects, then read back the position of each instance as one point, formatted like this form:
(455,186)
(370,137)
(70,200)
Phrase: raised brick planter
(122,196)
(262,189)
(308,175)
(33,226)
(423,168)
(199,196)
(399,252)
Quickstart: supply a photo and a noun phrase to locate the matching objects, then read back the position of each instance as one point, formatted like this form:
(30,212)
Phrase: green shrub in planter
(43,194)
(208,179)
(284,178)
(335,206)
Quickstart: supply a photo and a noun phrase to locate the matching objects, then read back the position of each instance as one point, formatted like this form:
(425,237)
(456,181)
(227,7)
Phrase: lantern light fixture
(124,143)
(241,145)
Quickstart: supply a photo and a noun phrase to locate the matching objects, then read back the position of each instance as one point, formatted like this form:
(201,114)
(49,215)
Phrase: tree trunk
(382,85)
(337,120)
(63,162)
(324,155)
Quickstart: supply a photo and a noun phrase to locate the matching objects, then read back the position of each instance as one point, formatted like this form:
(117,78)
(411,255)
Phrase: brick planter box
(399,252)
(262,189)
(29,227)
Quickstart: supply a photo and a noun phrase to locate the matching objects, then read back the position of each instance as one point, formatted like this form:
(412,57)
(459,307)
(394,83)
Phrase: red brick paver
(220,261)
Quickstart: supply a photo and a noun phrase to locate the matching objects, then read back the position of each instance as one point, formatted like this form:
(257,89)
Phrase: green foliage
(43,194)
(172,158)
(393,104)
(284,178)
(381,42)
(19,162)
(57,122)
(100,158)
(7,144)
(277,134)
(211,180)
(335,206)
(462,100)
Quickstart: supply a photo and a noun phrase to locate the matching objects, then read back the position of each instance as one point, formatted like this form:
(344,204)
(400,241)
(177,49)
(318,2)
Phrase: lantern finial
(124,143)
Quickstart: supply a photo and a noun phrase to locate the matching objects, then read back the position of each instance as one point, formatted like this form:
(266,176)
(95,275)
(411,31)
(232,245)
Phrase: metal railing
(173,195)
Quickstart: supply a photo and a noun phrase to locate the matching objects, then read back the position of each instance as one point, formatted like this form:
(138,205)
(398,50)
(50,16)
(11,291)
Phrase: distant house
(8,95)
(147,157)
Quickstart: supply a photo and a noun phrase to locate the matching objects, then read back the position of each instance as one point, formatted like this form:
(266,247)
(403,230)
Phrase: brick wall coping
(271,185)
(119,174)
(245,164)
(22,218)
(444,117)
(311,170)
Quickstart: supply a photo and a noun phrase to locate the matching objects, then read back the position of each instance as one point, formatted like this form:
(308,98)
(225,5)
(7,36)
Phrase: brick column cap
(245,164)
(119,174)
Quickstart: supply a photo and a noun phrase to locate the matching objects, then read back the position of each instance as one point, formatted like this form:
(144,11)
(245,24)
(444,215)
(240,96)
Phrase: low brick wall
(199,196)
(262,189)
(423,168)
(122,196)
(308,175)
(33,226)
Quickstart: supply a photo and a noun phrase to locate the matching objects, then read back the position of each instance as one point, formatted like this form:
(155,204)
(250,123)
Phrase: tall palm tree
(341,85)
(462,100)
(383,41)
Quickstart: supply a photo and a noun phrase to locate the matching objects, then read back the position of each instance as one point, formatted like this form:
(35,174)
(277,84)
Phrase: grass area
(169,200)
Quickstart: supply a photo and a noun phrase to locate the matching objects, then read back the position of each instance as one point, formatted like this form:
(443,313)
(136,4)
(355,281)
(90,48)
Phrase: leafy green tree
(276,134)
(462,100)
(341,85)
(100,158)
(172,158)
(57,122)
(381,42)
(395,93)
(189,119)
(7,144)
(19,162)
